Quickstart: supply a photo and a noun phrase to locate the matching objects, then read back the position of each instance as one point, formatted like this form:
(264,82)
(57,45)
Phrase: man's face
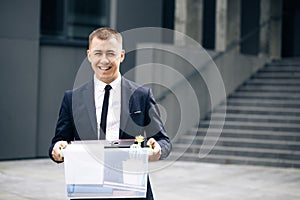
(105,57)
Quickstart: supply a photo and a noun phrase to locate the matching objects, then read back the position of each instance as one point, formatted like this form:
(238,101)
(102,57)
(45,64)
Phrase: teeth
(104,68)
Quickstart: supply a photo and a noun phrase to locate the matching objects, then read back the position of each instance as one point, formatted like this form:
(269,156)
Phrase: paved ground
(43,179)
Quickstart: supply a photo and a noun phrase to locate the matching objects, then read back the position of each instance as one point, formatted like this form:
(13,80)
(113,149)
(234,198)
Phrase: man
(131,109)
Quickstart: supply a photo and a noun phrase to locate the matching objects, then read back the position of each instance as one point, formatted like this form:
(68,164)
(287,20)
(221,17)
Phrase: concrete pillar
(270,32)
(275,29)
(195,19)
(265,13)
(233,23)
(188,20)
(221,25)
(180,21)
(227,23)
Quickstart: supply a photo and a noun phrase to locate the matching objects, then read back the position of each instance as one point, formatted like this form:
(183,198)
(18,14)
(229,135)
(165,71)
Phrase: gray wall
(58,68)
(33,79)
(19,50)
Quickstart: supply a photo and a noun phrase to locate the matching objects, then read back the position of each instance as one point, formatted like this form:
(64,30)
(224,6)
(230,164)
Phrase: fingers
(56,151)
(156,152)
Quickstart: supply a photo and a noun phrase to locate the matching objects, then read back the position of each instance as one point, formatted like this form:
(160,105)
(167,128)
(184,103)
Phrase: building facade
(43,43)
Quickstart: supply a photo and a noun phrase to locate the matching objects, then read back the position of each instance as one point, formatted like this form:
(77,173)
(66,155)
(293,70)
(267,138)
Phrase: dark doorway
(249,25)
(291,28)
(209,24)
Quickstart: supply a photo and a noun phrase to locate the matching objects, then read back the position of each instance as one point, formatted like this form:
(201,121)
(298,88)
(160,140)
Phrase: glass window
(72,19)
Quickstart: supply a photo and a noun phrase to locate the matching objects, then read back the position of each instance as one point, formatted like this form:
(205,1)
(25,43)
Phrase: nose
(104,60)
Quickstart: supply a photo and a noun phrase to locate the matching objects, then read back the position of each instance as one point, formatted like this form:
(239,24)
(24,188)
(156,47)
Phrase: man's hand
(156,152)
(56,151)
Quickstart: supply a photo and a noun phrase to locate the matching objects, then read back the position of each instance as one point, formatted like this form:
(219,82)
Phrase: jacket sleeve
(154,127)
(65,128)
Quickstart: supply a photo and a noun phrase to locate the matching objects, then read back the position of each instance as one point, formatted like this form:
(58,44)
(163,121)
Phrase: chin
(106,79)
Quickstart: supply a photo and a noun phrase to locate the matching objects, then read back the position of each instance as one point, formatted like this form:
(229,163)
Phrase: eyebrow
(110,51)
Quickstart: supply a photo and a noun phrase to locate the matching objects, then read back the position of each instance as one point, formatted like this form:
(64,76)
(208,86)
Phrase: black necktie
(104,113)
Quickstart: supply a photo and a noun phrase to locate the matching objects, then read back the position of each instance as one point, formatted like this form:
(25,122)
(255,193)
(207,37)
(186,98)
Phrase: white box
(94,169)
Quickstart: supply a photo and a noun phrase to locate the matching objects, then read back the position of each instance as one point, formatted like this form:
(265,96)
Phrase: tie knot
(107,87)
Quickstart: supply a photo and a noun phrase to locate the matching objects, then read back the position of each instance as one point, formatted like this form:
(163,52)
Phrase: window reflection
(72,19)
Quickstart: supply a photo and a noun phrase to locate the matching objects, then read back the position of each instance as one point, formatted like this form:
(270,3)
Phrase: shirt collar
(100,85)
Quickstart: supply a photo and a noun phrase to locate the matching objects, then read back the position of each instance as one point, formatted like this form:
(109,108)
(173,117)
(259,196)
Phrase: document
(84,163)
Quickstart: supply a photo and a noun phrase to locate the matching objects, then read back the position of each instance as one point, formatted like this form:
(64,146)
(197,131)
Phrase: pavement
(42,179)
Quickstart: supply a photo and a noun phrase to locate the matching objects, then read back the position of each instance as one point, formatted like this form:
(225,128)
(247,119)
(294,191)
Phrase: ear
(88,53)
(122,55)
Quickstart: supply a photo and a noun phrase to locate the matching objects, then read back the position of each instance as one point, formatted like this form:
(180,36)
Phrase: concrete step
(250,112)
(283,82)
(213,134)
(248,126)
(269,88)
(255,118)
(221,115)
(277,102)
(236,140)
(278,75)
(239,142)
(239,132)
(262,104)
(251,135)
(225,159)
(252,124)
(285,63)
(196,149)
(291,90)
(244,151)
(266,94)
(280,69)
(259,108)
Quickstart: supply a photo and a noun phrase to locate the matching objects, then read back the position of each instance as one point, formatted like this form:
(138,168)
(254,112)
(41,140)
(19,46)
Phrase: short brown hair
(105,33)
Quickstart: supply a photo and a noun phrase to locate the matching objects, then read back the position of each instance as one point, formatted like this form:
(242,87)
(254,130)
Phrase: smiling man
(105,54)
(109,107)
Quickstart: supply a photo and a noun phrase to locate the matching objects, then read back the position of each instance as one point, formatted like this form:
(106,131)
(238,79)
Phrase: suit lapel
(89,102)
(126,92)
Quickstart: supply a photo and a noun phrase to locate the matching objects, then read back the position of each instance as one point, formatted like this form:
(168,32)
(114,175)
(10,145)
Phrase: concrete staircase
(262,125)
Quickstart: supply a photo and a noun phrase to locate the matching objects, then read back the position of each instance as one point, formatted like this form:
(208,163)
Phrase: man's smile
(104,68)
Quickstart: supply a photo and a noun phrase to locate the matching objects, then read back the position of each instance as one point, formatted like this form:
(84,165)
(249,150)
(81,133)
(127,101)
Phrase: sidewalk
(43,179)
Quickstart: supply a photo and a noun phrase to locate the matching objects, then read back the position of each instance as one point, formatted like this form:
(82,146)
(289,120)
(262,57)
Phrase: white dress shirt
(114,107)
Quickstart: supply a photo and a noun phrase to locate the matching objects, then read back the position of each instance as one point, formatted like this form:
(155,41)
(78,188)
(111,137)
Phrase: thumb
(151,142)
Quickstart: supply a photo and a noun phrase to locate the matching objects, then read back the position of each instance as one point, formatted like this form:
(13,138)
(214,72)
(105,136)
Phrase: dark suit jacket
(139,116)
